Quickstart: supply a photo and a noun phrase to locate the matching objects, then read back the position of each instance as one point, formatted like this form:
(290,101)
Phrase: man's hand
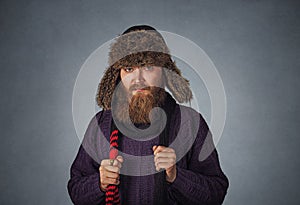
(110,173)
(165,158)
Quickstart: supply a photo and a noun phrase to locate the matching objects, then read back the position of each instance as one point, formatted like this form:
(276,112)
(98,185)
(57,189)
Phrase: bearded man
(143,147)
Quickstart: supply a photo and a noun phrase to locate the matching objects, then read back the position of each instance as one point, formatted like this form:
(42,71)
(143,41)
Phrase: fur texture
(140,48)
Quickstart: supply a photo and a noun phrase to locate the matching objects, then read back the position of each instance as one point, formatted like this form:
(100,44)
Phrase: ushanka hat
(141,45)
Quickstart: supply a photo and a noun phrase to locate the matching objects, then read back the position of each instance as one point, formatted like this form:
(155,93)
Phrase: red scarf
(112,192)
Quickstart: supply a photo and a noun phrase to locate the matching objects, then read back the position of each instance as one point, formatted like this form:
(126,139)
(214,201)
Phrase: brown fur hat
(140,46)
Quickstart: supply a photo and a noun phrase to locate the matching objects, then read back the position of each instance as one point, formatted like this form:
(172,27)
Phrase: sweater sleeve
(201,181)
(84,184)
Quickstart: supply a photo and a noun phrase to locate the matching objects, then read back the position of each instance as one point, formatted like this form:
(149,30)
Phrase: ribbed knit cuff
(179,180)
(96,191)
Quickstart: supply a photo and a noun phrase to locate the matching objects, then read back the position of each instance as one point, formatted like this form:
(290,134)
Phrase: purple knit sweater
(197,182)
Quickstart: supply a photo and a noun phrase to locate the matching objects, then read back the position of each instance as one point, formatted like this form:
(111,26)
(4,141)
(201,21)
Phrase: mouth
(139,90)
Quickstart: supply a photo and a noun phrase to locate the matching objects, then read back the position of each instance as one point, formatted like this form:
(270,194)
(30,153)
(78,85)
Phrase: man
(143,147)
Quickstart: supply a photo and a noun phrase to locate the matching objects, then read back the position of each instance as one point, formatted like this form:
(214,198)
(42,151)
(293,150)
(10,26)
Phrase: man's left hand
(165,158)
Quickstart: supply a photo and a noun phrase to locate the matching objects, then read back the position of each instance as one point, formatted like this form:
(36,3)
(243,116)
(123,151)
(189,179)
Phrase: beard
(138,107)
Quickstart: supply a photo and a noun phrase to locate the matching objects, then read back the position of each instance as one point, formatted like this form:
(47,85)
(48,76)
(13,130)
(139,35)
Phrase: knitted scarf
(160,191)
(112,192)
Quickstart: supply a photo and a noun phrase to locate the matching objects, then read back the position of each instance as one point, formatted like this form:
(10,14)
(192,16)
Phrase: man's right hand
(110,174)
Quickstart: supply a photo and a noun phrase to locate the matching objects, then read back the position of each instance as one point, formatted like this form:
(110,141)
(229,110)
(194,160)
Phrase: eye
(128,69)
(148,68)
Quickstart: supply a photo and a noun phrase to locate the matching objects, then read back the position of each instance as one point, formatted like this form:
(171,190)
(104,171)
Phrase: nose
(138,75)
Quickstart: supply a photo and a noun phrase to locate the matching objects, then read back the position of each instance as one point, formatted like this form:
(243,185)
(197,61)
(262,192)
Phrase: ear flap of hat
(106,87)
(178,85)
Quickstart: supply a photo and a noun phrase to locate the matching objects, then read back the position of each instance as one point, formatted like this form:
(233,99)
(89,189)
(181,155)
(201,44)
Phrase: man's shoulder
(186,111)
(102,115)
(189,115)
(100,120)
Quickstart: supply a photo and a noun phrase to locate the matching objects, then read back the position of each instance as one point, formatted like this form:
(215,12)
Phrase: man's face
(136,79)
(144,90)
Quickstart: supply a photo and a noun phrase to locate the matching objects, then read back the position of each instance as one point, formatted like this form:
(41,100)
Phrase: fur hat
(140,46)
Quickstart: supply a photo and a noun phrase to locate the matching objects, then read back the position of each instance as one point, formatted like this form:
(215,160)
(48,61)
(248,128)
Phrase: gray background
(254,45)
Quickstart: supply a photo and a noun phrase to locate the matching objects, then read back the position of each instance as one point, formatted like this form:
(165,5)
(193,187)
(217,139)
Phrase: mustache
(139,87)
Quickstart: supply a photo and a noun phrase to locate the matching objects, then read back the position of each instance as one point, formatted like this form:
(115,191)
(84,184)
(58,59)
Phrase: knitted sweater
(197,182)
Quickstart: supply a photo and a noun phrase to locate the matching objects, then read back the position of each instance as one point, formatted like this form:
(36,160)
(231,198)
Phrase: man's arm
(84,184)
(201,182)
(192,187)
